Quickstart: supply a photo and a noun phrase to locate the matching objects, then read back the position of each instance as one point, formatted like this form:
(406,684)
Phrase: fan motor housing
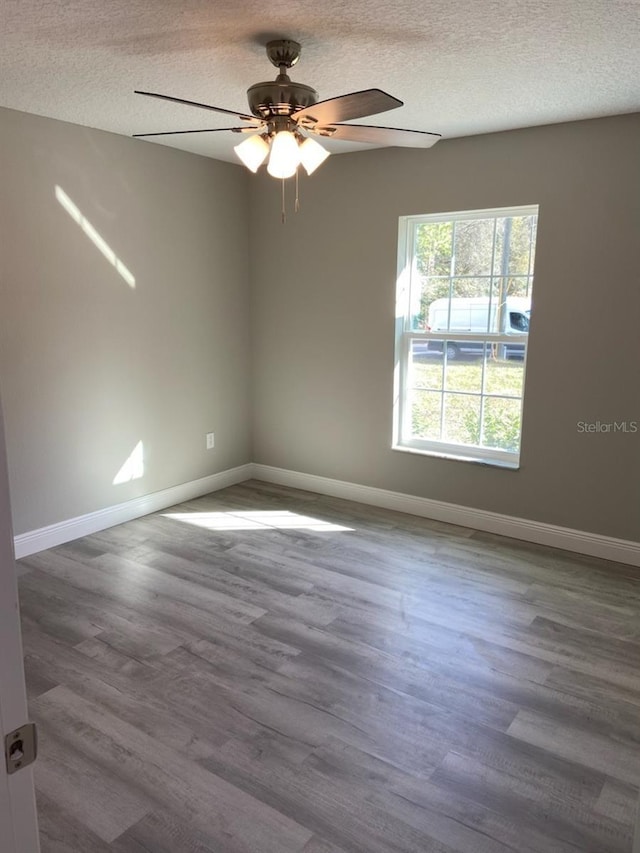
(281,97)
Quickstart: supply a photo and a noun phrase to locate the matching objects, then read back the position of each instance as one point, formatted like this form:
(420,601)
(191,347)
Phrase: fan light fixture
(285,157)
(285,154)
(312,155)
(253,152)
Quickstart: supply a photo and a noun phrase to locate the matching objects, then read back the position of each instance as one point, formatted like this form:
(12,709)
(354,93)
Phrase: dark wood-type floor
(250,677)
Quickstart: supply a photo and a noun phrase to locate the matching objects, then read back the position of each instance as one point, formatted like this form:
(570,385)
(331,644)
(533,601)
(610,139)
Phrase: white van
(476,314)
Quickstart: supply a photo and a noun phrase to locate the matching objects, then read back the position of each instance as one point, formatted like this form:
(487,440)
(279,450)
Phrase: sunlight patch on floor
(256,520)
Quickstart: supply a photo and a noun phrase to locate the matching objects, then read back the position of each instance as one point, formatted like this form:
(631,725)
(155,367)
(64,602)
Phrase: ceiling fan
(283,113)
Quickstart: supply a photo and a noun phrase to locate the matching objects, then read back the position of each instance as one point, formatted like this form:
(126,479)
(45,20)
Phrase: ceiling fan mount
(281,97)
(283,52)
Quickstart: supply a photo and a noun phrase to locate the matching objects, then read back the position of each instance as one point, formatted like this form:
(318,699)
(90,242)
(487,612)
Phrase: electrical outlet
(210,441)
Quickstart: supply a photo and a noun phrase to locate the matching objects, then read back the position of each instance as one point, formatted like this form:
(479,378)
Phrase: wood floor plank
(118,618)
(252,591)
(332,807)
(135,700)
(76,785)
(117,578)
(233,818)
(504,826)
(53,614)
(297,711)
(596,751)
(618,801)
(358,768)
(63,832)
(164,832)
(489,670)
(397,674)
(154,585)
(565,814)
(320,845)
(268,670)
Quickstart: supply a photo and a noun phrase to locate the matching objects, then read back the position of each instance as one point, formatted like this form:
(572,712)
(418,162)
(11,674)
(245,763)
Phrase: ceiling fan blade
(195,104)
(388,136)
(202,130)
(346,107)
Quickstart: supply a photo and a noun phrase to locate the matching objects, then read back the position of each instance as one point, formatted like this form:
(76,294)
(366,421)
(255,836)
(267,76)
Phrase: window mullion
(406,380)
(482,393)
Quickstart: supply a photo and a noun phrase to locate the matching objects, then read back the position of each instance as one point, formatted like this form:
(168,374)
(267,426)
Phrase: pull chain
(297,204)
(284,215)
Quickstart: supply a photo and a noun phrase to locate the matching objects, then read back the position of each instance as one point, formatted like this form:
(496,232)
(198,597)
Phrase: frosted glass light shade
(312,155)
(253,152)
(285,155)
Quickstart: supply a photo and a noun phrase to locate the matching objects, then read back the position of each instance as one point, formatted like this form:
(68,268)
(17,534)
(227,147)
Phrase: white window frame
(405,335)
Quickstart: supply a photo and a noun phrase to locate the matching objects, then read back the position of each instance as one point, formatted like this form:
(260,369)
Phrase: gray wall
(323,290)
(89,366)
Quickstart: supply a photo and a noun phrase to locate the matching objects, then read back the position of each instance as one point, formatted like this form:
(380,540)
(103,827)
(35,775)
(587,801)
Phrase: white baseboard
(57,534)
(591,544)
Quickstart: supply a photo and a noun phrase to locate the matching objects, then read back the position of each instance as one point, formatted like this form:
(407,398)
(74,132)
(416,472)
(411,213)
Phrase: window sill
(491,463)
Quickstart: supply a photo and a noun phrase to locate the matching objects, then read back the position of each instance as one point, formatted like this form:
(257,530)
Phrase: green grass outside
(437,382)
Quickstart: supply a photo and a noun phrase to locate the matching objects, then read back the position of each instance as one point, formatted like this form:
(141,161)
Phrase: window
(462,321)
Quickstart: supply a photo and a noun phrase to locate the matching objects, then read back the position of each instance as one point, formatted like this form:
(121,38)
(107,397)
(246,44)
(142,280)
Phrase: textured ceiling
(461,66)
